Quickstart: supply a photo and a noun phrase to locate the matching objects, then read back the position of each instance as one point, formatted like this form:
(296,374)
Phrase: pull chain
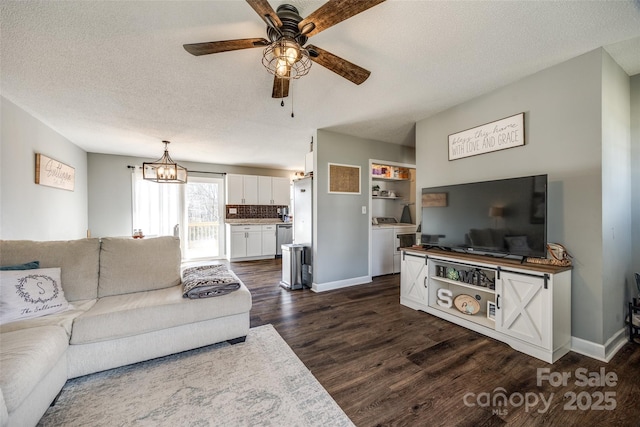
(282,94)
(291,90)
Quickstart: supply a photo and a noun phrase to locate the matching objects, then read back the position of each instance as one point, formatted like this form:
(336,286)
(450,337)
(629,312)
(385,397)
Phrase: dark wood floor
(386,364)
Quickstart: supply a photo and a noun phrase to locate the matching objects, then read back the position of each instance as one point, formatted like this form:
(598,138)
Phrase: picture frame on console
(491,310)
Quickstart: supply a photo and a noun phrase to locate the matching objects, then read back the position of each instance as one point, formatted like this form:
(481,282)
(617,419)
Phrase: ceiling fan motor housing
(290,18)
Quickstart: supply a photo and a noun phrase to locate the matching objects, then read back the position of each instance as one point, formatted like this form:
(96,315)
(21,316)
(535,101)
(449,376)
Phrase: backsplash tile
(253,211)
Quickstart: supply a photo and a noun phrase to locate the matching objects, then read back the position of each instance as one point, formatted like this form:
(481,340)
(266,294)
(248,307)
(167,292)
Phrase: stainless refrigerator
(303,224)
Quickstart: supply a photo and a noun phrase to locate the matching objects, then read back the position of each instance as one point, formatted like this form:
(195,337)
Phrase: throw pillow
(30,293)
(26,266)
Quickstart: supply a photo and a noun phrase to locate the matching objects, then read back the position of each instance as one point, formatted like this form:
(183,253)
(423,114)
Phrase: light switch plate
(364,210)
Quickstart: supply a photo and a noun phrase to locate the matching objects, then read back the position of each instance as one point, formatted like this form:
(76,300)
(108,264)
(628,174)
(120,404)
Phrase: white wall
(28,210)
(564,134)
(341,239)
(632,290)
(110,188)
(616,193)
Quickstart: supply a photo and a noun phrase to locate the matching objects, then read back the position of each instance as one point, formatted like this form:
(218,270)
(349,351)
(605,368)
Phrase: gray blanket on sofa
(208,281)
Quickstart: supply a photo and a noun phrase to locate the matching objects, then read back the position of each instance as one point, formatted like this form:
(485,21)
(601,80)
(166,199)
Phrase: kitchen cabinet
(308,163)
(242,189)
(273,191)
(269,240)
(245,241)
(527,306)
(251,241)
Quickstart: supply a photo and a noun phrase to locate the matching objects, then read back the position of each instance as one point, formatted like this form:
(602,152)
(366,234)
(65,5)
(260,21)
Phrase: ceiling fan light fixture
(286,59)
(164,170)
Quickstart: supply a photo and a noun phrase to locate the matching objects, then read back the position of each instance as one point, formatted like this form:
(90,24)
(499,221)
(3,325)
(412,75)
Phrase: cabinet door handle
(498,302)
(425,281)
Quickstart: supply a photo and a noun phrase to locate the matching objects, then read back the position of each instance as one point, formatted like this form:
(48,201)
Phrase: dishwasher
(284,236)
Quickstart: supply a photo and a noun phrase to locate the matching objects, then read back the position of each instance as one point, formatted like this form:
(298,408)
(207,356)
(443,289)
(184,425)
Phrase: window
(156,207)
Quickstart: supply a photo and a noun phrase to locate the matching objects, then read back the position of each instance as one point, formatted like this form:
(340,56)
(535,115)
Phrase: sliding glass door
(194,212)
(203,231)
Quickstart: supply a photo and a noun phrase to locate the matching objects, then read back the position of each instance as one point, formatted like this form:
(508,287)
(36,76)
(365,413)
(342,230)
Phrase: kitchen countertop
(255,221)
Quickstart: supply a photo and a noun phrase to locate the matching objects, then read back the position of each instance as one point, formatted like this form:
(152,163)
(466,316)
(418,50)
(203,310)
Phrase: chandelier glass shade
(284,58)
(164,170)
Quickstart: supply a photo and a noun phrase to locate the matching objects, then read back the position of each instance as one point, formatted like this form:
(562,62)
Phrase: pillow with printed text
(30,293)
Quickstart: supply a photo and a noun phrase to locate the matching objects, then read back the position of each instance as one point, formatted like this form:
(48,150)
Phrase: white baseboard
(329,286)
(603,352)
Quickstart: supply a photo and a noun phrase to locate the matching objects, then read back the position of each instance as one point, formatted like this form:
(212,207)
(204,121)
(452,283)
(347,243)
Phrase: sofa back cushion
(134,265)
(77,259)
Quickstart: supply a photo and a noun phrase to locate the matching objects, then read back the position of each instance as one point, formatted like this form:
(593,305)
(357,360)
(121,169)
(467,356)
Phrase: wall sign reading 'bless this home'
(52,173)
(494,136)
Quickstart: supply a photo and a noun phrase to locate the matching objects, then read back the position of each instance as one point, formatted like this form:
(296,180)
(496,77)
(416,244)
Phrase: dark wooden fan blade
(206,48)
(338,65)
(280,88)
(333,12)
(262,8)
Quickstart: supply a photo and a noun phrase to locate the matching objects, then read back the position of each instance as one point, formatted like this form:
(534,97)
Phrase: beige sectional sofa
(126,307)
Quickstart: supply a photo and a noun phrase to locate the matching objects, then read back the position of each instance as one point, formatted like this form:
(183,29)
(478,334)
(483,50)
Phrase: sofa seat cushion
(26,358)
(136,265)
(128,315)
(77,260)
(63,319)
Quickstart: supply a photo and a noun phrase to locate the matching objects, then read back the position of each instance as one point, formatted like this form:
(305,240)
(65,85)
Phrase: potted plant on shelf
(375,190)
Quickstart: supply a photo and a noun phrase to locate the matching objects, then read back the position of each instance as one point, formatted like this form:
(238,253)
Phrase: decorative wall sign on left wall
(53,173)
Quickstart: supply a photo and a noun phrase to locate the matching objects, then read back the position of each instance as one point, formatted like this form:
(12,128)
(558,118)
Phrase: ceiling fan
(284,55)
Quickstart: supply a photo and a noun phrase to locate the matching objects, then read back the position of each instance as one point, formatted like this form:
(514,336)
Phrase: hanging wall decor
(499,135)
(344,179)
(53,173)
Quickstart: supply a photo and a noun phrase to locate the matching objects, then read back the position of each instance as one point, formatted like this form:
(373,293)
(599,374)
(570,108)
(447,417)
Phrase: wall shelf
(383,178)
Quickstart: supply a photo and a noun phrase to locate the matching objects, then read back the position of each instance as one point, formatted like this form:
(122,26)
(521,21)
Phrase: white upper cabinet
(273,191)
(242,189)
(264,190)
(281,191)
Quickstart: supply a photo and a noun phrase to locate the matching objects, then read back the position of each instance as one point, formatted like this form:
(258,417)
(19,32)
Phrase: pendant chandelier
(164,170)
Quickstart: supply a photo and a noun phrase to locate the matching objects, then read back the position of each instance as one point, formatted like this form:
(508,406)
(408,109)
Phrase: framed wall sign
(499,135)
(53,173)
(344,179)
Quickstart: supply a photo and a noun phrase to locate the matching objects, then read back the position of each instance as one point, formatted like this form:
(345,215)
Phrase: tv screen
(507,216)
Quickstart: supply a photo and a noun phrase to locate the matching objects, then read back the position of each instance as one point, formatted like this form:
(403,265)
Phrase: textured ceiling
(113,77)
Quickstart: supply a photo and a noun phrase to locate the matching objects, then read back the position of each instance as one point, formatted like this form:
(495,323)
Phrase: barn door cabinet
(527,306)
(413,280)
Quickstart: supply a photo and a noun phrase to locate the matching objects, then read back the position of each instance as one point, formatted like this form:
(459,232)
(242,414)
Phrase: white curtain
(156,207)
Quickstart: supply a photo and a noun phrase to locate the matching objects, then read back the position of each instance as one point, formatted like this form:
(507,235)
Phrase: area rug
(260,382)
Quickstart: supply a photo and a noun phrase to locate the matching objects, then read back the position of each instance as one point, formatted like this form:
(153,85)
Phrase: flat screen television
(507,217)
